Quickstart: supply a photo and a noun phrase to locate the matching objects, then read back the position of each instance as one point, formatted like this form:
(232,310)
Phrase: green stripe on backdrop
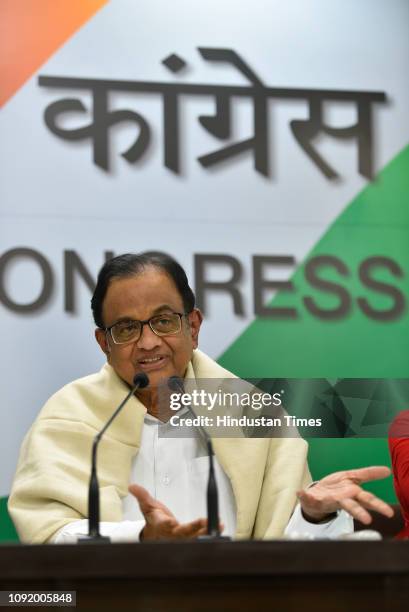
(375,223)
(7,531)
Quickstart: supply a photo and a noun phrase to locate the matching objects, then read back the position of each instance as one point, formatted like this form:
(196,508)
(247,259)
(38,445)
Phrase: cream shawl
(50,488)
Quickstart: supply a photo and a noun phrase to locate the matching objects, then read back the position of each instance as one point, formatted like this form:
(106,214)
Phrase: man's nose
(148,340)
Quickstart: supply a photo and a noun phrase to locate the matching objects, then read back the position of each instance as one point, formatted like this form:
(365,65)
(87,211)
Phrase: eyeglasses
(166,324)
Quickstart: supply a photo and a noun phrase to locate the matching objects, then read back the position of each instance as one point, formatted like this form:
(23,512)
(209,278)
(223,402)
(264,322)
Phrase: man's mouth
(151,363)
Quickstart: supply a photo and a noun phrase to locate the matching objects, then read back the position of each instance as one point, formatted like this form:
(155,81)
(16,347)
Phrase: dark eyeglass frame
(108,330)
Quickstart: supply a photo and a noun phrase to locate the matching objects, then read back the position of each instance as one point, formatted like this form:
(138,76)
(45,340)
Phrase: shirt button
(166,480)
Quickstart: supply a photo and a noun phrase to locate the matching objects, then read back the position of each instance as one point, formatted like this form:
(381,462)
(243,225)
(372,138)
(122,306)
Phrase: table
(218,576)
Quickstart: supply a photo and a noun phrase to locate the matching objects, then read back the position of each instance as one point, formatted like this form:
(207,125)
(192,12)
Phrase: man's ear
(102,339)
(195,320)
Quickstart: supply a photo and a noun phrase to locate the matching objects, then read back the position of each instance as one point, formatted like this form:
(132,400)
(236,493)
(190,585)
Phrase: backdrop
(263,144)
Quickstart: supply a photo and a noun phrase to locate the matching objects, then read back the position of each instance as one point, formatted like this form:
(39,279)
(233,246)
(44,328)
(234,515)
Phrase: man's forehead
(151,291)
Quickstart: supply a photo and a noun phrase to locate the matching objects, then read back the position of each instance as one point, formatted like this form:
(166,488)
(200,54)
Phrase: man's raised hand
(342,490)
(161,524)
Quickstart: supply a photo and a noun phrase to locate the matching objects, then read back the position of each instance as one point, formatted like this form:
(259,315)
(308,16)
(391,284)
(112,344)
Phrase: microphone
(176,384)
(139,382)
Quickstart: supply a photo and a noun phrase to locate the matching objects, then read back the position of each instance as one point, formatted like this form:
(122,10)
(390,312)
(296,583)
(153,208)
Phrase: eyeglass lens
(164,324)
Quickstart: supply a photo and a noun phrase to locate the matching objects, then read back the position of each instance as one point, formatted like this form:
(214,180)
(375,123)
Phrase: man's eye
(164,321)
(126,328)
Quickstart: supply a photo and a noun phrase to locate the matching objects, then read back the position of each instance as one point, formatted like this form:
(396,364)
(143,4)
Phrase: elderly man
(153,486)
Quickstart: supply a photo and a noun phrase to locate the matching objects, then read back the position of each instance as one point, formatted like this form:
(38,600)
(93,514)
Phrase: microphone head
(175,383)
(140,380)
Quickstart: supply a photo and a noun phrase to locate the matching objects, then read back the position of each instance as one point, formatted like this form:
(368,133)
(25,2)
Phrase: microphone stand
(139,382)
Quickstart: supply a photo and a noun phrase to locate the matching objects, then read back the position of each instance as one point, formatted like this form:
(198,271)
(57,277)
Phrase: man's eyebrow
(163,307)
(122,320)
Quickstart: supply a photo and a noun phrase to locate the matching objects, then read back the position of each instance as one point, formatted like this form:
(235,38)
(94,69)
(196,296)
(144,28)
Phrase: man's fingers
(355,509)
(160,522)
(366,474)
(372,502)
(149,504)
(144,498)
(351,498)
(160,519)
(191,530)
(364,501)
